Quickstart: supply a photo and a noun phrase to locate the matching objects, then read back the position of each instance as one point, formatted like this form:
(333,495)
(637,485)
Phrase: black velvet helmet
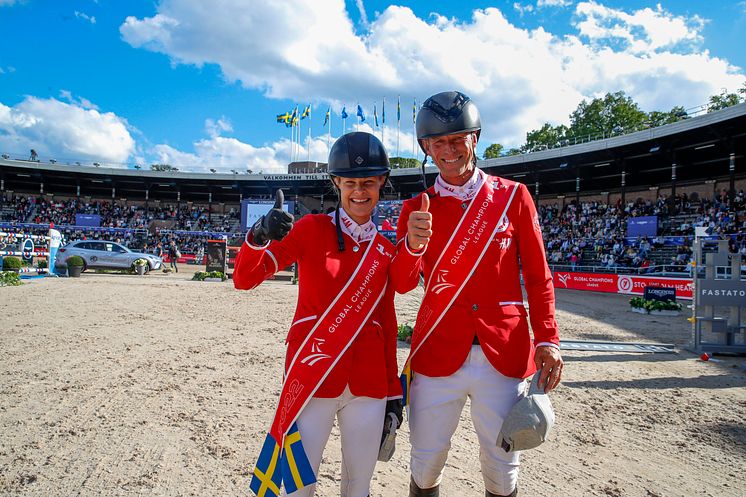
(358,155)
(447,113)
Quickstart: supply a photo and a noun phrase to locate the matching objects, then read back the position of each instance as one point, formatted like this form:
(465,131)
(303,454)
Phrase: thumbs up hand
(275,225)
(419,225)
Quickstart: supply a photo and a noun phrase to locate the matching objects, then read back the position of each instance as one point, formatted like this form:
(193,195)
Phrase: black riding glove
(395,406)
(275,225)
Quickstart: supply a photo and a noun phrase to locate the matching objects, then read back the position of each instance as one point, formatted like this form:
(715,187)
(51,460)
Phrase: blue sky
(198,84)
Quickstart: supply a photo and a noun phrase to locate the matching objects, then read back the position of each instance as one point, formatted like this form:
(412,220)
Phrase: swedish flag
(296,470)
(267,472)
(406,382)
(398,110)
(306,112)
(375,115)
(283,118)
(326,117)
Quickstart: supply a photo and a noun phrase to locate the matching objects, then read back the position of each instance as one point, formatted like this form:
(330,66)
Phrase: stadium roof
(702,147)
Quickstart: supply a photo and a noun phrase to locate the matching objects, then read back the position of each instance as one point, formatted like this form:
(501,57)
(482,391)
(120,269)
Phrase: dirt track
(120,385)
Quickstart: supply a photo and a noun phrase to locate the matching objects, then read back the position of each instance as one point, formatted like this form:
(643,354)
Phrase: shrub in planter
(9,278)
(404,333)
(11,264)
(74,265)
(140,266)
(639,304)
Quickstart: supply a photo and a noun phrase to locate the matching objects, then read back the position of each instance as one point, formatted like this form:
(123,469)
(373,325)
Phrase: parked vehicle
(103,254)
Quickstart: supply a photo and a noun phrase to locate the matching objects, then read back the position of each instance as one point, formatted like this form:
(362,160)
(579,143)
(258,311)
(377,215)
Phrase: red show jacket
(490,305)
(369,365)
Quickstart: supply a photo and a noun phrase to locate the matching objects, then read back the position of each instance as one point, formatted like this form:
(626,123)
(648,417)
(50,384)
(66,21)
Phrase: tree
(613,114)
(547,136)
(163,167)
(403,162)
(138,167)
(513,151)
(493,151)
(658,118)
(723,100)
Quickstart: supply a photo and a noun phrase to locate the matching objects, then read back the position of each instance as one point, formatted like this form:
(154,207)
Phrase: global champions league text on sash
(360,296)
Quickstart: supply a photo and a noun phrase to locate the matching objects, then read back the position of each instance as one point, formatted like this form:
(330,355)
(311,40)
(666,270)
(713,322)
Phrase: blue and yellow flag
(275,467)
(296,470)
(375,115)
(306,112)
(267,472)
(406,382)
(326,117)
(283,118)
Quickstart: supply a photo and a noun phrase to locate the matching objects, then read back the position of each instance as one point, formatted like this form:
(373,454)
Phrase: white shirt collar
(359,233)
(467,191)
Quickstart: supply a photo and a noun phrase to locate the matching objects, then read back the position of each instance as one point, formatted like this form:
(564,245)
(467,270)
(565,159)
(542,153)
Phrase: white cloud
(643,31)
(553,3)
(214,128)
(520,78)
(523,9)
(79,101)
(363,15)
(84,16)
(64,131)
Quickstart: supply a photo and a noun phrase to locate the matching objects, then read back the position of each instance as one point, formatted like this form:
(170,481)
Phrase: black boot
(514,493)
(415,491)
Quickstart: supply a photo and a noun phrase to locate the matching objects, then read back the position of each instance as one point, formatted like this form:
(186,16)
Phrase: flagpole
(329,136)
(308,143)
(357,118)
(414,132)
(398,125)
(383,121)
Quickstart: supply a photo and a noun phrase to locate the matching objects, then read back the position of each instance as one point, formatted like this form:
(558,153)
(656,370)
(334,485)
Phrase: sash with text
(485,216)
(282,459)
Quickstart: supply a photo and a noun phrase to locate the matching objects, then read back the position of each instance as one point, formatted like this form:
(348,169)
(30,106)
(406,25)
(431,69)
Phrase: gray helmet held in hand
(447,113)
(358,155)
(529,421)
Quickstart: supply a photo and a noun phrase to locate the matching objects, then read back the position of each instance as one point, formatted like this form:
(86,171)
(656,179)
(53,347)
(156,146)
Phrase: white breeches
(360,425)
(434,412)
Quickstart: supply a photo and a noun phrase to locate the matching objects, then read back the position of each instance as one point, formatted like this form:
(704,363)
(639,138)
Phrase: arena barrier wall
(620,283)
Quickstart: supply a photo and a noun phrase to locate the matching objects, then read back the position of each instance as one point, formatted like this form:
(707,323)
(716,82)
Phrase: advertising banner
(93,220)
(642,226)
(623,284)
(216,260)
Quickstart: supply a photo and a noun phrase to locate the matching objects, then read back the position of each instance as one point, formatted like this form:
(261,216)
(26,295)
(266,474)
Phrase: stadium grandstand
(591,196)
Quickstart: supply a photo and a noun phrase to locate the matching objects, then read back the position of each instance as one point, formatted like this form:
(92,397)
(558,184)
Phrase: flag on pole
(414,110)
(383,111)
(360,113)
(306,112)
(283,118)
(398,110)
(375,115)
(326,117)
(293,119)
(344,113)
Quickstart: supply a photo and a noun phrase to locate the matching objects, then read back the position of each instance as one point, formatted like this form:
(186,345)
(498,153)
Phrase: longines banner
(618,283)
(721,292)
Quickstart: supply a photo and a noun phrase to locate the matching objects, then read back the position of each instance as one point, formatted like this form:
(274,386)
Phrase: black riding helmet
(446,113)
(356,155)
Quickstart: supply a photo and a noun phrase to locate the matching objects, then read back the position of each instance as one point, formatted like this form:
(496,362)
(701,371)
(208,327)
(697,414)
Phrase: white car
(102,254)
